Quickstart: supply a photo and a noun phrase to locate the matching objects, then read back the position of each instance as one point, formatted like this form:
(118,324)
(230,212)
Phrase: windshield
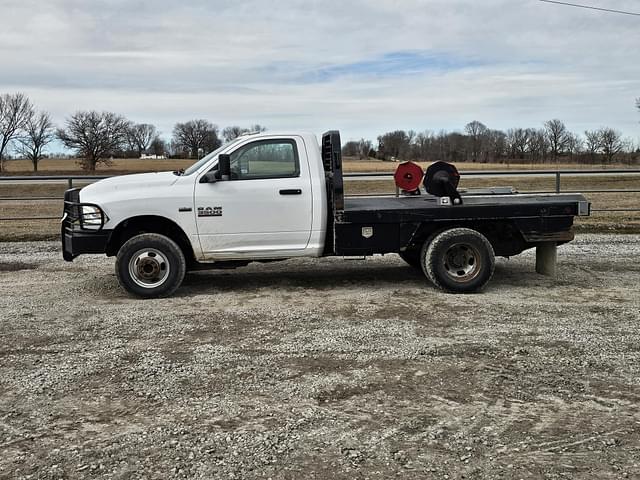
(196,166)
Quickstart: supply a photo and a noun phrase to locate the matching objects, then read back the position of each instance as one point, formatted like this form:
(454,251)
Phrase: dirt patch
(16,266)
(322,368)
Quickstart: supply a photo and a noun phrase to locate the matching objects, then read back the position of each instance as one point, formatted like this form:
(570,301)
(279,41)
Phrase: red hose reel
(408,176)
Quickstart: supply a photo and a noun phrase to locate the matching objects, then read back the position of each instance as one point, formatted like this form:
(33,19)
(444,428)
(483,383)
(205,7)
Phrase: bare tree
(411,135)
(158,146)
(611,142)
(496,145)
(573,144)
(350,149)
(364,147)
(538,145)
(140,136)
(257,128)
(592,143)
(557,136)
(196,137)
(457,144)
(482,144)
(15,112)
(394,144)
(423,145)
(234,131)
(38,133)
(94,136)
(359,149)
(511,143)
(477,132)
(518,141)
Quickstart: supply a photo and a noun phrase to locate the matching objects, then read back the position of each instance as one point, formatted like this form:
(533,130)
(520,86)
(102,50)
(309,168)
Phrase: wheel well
(505,237)
(149,224)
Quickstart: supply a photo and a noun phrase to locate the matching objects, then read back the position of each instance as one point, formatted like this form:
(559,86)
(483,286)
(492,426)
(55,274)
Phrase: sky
(364,67)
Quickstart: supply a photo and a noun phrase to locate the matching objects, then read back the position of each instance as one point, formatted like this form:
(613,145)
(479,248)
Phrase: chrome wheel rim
(149,268)
(462,262)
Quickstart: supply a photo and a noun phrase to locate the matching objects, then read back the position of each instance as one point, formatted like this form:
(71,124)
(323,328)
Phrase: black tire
(412,257)
(458,260)
(150,265)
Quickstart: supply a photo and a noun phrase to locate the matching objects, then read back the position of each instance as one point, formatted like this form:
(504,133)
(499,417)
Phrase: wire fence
(361,176)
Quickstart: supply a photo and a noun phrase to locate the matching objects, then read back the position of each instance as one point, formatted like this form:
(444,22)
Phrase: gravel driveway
(326,368)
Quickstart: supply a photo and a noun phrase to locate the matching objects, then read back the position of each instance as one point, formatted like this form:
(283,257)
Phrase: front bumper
(77,239)
(76,242)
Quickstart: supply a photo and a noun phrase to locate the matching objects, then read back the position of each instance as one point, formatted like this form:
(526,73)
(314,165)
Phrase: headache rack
(332,163)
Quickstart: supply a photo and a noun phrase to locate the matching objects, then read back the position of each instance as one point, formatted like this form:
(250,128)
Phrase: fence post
(557,182)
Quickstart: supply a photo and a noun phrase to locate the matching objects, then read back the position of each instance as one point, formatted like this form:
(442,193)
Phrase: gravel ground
(322,369)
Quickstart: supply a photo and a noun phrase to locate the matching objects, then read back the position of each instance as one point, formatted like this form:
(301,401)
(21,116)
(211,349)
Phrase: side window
(265,159)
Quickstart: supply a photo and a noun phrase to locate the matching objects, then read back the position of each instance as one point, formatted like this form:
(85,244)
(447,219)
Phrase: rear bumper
(537,237)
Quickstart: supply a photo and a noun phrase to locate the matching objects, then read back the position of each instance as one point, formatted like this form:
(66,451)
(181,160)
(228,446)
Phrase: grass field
(10,230)
(69,166)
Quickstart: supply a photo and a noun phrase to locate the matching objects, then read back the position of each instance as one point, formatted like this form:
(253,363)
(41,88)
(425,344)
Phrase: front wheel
(150,265)
(458,260)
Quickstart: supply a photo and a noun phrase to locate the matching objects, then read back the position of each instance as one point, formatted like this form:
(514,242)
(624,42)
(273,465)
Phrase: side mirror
(223,172)
(210,177)
(224,166)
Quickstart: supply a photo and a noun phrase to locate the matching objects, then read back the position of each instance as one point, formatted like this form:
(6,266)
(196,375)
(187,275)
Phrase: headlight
(92,217)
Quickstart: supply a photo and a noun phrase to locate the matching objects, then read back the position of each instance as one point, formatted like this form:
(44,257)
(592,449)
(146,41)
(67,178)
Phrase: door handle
(291,191)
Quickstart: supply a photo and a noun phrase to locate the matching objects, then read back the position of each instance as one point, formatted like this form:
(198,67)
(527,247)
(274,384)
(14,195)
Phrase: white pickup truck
(270,196)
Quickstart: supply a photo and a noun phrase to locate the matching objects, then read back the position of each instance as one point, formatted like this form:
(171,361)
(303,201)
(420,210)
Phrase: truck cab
(273,196)
(273,206)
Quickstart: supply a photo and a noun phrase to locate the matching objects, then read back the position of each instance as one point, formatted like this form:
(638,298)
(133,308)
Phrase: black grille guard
(72,212)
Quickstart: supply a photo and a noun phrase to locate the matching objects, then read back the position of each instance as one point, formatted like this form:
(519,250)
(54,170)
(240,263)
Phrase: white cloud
(319,65)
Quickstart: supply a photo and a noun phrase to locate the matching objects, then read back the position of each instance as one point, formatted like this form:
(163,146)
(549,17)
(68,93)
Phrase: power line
(589,7)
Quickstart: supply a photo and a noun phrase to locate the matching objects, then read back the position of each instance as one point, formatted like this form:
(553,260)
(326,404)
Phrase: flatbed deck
(512,222)
(514,205)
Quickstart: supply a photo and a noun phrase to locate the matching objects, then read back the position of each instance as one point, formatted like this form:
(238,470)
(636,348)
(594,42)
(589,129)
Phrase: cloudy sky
(364,67)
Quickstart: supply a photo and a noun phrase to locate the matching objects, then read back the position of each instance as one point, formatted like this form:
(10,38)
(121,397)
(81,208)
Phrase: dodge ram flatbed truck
(267,197)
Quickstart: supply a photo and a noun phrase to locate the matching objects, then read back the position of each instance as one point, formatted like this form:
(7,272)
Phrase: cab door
(265,209)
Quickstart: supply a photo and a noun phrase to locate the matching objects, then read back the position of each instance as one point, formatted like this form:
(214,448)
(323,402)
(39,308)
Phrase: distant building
(149,156)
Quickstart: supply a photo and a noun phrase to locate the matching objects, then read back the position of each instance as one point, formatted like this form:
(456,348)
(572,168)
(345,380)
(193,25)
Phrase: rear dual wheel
(459,260)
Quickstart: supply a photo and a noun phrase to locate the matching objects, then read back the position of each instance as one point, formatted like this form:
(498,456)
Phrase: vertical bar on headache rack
(70,182)
(557,182)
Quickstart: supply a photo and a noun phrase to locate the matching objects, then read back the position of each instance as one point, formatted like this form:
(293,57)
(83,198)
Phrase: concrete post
(546,258)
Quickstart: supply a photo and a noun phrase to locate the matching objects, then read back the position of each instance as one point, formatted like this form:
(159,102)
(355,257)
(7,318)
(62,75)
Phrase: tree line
(478,143)
(97,137)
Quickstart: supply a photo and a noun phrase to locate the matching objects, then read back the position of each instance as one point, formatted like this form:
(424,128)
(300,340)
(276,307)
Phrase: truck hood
(123,183)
